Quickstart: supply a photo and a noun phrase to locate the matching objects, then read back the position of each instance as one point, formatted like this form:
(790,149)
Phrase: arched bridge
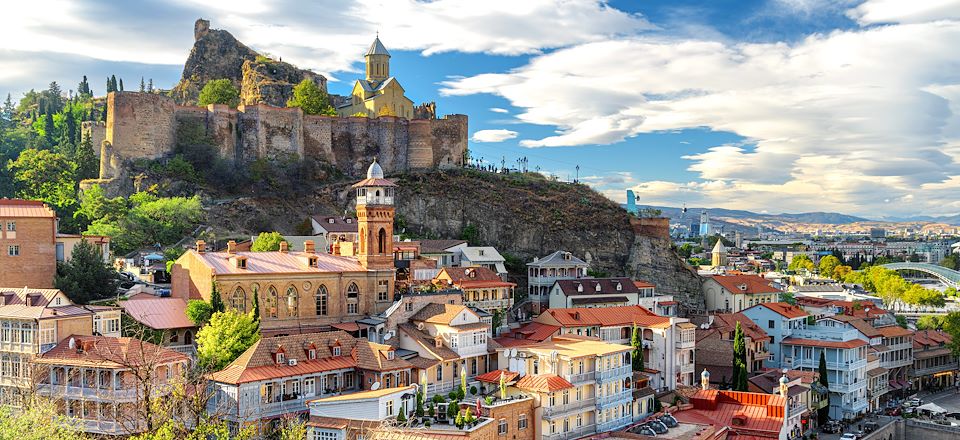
(949,277)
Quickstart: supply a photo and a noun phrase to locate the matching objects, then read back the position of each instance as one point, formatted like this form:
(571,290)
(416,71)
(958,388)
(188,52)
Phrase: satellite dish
(419,326)
(387,336)
(513,352)
(375,386)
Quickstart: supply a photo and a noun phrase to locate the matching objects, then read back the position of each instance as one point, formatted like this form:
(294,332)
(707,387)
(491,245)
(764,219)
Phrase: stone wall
(96,132)
(144,126)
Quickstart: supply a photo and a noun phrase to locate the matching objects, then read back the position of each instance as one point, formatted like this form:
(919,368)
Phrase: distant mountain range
(747,221)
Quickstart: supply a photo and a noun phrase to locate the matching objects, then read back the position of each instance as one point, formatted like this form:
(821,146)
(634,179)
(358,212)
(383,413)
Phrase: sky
(771,106)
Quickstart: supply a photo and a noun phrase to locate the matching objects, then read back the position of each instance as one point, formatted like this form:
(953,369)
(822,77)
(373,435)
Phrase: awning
(932,407)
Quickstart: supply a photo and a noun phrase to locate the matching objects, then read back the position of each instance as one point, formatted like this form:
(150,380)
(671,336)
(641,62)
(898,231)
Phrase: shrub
(452,395)
(219,91)
(488,400)
(438,399)
(473,390)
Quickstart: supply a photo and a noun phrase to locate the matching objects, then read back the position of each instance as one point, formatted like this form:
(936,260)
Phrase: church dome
(377,48)
(374,172)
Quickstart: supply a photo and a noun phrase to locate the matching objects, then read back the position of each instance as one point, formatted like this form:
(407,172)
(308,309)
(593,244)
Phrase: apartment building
(103,382)
(846,359)
(278,375)
(779,320)
(734,293)
(543,272)
(594,292)
(934,365)
(581,385)
(877,381)
(482,288)
(28,235)
(34,321)
(668,342)
(714,346)
(805,396)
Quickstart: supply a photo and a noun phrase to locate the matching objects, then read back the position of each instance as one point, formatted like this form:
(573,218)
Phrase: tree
(801,261)
(256,307)
(86,276)
(311,99)
(219,91)
(841,272)
(143,85)
(739,360)
(951,261)
(497,321)
(113,83)
(401,416)
(951,325)
(226,337)
(930,322)
(121,84)
(921,296)
(150,86)
(823,413)
(83,89)
(453,408)
(199,312)
(216,302)
(267,242)
(44,175)
(39,420)
(636,341)
(789,298)
(828,264)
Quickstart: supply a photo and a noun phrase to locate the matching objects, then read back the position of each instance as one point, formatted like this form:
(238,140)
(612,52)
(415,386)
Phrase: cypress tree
(739,360)
(256,307)
(143,86)
(216,302)
(113,83)
(150,86)
(637,343)
(121,84)
(48,128)
(823,414)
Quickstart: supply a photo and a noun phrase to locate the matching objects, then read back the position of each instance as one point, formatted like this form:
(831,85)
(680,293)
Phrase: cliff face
(216,54)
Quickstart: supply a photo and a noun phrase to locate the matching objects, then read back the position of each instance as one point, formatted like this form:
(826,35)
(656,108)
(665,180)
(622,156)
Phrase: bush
(219,91)
(199,312)
(438,399)
(453,408)
(452,395)
(473,390)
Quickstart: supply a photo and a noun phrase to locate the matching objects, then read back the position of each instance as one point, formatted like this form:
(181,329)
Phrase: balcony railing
(471,350)
(374,200)
(796,410)
(687,367)
(613,373)
(815,363)
(490,304)
(563,409)
(283,407)
(108,427)
(844,388)
(70,391)
(624,395)
(571,434)
(188,350)
(613,425)
(589,376)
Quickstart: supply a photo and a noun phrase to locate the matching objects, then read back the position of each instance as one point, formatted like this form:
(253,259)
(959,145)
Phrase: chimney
(309,247)
(201,246)
(231,247)
(284,247)
(335,248)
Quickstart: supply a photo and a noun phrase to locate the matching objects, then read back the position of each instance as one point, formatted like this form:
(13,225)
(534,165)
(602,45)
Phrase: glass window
(13,251)
(271,302)
(353,299)
(522,422)
(238,301)
(321,300)
(293,302)
(502,428)
(389,405)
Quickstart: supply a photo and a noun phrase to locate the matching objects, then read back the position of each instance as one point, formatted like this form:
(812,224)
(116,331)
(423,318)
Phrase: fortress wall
(140,125)
(448,141)
(267,131)
(96,132)
(222,128)
(420,150)
(318,137)
(389,136)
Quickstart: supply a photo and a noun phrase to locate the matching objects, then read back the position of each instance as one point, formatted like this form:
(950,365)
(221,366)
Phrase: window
(502,427)
(174,337)
(353,299)
(439,372)
(336,350)
(579,420)
(323,434)
(13,251)
(312,353)
(321,300)
(293,302)
(389,408)
(271,302)
(97,324)
(552,397)
(280,357)
(12,226)
(580,393)
(770,323)
(522,422)
(390,355)
(238,301)
(383,290)
(566,397)
(309,386)
(382,241)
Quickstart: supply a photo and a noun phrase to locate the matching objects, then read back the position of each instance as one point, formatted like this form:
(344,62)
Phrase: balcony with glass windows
(577,378)
(614,373)
(571,434)
(563,410)
(624,395)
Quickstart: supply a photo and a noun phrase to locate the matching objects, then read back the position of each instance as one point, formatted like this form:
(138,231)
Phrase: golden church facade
(378,94)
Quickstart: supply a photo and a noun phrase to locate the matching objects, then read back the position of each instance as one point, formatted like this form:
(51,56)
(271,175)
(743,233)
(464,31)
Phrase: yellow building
(379,94)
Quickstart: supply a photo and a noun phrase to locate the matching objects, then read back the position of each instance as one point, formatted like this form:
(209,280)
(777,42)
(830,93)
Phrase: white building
(484,256)
(542,273)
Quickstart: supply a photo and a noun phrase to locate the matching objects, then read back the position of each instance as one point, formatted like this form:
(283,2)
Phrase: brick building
(28,235)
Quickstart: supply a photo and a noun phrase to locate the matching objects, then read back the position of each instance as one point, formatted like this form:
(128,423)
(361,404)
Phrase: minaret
(375,219)
(705,379)
(783,385)
(378,62)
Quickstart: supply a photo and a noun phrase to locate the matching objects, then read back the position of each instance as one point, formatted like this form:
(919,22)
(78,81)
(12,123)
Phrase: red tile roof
(727,323)
(543,383)
(853,343)
(533,331)
(374,182)
(278,262)
(784,309)
(494,376)
(761,415)
(857,323)
(603,317)
(745,284)
(893,331)
(158,313)
(931,338)
(643,284)
(441,313)
(109,352)
(19,208)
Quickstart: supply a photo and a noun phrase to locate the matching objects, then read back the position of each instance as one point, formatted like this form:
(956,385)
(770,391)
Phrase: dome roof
(377,48)
(784,380)
(374,172)
(705,374)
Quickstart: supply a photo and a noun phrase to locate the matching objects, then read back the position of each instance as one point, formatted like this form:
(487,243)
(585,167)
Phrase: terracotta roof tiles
(494,376)
(543,383)
(605,316)
(435,313)
(278,262)
(108,352)
(745,284)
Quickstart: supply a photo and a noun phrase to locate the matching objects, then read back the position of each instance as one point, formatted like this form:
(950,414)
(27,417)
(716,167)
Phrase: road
(949,400)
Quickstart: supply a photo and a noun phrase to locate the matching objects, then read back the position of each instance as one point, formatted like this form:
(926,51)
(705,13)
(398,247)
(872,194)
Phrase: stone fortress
(144,126)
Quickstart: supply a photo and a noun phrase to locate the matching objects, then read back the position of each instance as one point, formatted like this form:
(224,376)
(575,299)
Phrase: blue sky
(773,105)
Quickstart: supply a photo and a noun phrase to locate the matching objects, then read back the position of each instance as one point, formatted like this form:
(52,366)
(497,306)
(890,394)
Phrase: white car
(848,436)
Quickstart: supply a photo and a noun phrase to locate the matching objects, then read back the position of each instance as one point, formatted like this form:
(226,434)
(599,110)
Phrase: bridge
(949,277)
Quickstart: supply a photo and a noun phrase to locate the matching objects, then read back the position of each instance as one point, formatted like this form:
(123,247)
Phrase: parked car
(915,401)
(669,420)
(870,427)
(832,427)
(849,436)
(894,411)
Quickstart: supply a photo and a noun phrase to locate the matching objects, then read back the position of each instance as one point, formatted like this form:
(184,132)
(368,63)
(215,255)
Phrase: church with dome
(308,289)
(378,94)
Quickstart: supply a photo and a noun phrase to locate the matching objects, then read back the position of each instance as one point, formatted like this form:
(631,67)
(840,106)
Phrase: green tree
(636,341)
(311,99)
(95,205)
(801,261)
(121,84)
(256,307)
(739,360)
(226,337)
(951,262)
(143,85)
(40,420)
(216,301)
(401,416)
(823,414)
(45,175)
(199,312)
(219,91)
(789,298)
(497,321)
(267,242)
(840,272)
(828,264)
(86,276)
(951,325)
(930,322)
(83,89)
(453,408)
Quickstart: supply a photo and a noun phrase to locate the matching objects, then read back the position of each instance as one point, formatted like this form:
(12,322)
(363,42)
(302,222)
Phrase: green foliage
(268,242)
(401,416)
(216,301)
(636,341)
(892,288)
(39,421)
(458,420)
(94,205)
(359,115)
(788,297)
(596,273)
(471,234)
(86,277)
(45,175)
(497,321)
(199,312)
(951,261)
(930,322)
(256,308)
(801,261)
(431,410)
(951,325)
(739,360)
(419,408)
(473,390)
(206,429)
(311,99)
(142,220)
(226,337)
(828,264)
(453,408)
(686,250)
(219,91)
(488,400)
(901,320)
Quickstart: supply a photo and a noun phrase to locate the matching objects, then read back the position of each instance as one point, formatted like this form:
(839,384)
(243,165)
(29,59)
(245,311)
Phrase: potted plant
(431,411)
(473,390)
(458,421)
(452,411)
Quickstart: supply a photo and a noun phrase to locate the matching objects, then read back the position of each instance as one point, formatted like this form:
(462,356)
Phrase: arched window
(321,299)
(353,299)
(271,303)
(382,241)
(188,337)
(293,302)
(239,300)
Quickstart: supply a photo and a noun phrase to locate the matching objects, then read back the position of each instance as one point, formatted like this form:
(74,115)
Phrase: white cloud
(905,11)
(832,120)
(499,110)
(498,135)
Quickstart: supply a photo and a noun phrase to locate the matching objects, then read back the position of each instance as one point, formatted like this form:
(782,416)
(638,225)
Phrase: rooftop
(543,383)
(337,223)
(108,352)
(158,313)
(743,414)
(558,259)
(277,262)
(588,286)
(783,309)
(745,284)
(441,313)
(575,347)
(20,208)
(603,317)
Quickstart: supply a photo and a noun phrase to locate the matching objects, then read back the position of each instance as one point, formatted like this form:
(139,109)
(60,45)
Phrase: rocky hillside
(216,54)
(524,216)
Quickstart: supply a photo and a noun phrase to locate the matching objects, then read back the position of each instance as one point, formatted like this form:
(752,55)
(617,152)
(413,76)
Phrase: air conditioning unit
(292,362)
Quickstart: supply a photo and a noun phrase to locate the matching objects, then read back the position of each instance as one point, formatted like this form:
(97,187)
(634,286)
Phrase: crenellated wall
(144,125)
